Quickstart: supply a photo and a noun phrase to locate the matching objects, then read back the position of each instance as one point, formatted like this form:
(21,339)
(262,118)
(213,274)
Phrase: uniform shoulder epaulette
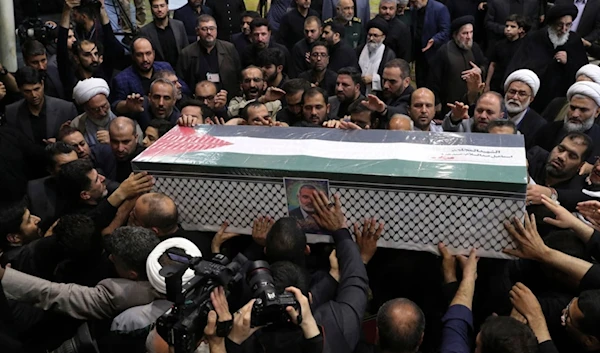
(328,20)
(356,19)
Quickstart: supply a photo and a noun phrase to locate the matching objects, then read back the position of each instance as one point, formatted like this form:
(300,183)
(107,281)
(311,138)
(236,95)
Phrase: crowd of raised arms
(83,238)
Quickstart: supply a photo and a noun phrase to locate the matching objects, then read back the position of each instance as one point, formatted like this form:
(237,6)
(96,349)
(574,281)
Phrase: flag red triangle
(181,140)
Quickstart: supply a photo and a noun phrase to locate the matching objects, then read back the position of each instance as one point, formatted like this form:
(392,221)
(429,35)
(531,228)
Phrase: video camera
(35,28)
(183,325)
(269,307)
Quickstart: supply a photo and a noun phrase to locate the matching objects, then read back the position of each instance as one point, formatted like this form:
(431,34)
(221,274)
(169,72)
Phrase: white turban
(153,267)
(591,71)
(587,89)
(86,89)
(526,76)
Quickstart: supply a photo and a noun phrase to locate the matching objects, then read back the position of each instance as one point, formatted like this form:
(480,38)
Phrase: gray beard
(572,127)
(373,46)
(556,39)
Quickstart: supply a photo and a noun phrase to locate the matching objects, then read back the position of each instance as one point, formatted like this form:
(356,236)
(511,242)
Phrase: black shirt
(208,63)
(166,38)
(501,53)
(38,125)
(146,82)
(124,167)
(327,83)
(227,14)
(292,27)
(418,35)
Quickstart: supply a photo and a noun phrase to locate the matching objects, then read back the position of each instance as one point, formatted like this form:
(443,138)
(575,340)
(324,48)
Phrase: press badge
(214,78)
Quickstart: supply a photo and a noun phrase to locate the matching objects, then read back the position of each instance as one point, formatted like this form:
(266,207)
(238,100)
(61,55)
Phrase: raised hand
(459,110)
(187,120)
(221,237)
(103,136)
(220,99)
(328,215)
(368,237)
(473,70)
(260,228)
(373,103)
(273,94)
(136,184)
(134,103)
(529,242)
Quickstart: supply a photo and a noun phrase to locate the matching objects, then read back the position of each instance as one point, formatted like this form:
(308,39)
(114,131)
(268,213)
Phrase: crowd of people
(86,243)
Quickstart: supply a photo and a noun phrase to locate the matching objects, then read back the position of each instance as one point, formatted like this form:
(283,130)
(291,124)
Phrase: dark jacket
(397,105)
(552,134)
(189,17)
(553,109)
(436,26)
(335,105)
(227,14)
(327,83)
(53,85)
(229,66)
(250,57)
(240,41)
(499,10)
(342,55)
(291,28)
(58,112)
(181,39)
(300,56)
(399,38)
(43,200)
(530,125)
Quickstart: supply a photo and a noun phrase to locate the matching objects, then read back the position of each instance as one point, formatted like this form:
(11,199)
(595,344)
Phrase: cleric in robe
(554,53)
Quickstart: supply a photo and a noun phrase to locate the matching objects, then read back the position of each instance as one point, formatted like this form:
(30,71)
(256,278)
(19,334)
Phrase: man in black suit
(35,56)
(244,38)
(521,87)
(262,39)
(38,116)
(42,194)
(167,36)
(210,59)
(587,21)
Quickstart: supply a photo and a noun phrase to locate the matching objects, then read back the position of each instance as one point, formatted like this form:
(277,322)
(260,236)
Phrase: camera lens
(259,278)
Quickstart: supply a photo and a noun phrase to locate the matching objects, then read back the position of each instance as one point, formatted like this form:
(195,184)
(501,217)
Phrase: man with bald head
(133,82)
(488,108)
(401,326)
(123,142)
(158,212)
(422,110)
(401,122)
(206,92)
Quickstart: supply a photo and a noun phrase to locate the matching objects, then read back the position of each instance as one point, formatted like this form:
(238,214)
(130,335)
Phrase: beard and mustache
(556,38)
(571,126)
(513,106)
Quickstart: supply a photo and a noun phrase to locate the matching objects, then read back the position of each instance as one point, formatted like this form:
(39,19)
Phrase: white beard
(373,46)
(573,127)
(557,40)
(515,109)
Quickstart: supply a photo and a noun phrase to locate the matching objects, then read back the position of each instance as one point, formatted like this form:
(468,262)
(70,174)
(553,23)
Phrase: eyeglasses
(255,79)
(317,55)
(513,92)
(208,29)
(567,313)
(101,108)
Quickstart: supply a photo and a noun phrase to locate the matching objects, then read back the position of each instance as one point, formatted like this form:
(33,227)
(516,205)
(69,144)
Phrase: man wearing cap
(373,56)
(557,108)
(554,53)
(92,94)
(584,108)
(520,89)
(456,63)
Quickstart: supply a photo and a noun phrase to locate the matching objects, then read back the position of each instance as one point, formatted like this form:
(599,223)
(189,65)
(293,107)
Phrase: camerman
(340,318)
(88,54)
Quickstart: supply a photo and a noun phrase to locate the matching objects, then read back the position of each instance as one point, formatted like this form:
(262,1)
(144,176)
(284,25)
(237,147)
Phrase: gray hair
(166,82)
(132,245)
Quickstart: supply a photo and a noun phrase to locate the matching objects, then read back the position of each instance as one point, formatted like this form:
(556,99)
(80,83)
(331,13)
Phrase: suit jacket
(178,28)
(42,198)
(589,23)
(58,112)
(106,300)
(334,105)
(532,122)
(499,10)
(229,66)
(53,85)
(436,26)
